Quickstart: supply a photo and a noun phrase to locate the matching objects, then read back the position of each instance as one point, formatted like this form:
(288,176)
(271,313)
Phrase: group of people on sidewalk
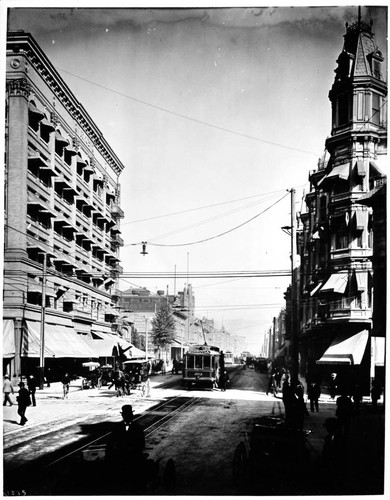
(25,397)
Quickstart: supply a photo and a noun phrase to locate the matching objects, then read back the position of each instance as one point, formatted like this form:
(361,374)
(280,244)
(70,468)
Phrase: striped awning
(346,350)
(59,341)
(8,338)
(337,283)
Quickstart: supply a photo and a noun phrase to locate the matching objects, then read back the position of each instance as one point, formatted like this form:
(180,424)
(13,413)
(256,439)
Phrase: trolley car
(201,367)
(229,358)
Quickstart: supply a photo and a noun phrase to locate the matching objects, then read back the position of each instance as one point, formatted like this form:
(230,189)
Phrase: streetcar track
(163,420)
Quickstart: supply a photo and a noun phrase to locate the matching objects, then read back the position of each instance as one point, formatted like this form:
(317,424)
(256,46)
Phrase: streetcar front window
(207,362)
(190,362)
(198,362)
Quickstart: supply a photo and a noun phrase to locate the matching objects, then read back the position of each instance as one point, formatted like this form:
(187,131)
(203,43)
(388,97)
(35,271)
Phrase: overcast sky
(215,113)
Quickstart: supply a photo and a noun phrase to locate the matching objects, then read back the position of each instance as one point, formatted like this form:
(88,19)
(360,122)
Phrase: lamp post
(294,304)
(291,231)
(146,338)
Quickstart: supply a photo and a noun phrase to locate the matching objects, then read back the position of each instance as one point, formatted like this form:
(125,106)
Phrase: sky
(216,114)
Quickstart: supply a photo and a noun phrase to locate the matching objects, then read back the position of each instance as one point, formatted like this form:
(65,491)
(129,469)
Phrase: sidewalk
(51,405)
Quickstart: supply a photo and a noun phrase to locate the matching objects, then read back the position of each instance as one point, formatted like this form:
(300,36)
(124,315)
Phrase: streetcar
(201,366)
(229,358)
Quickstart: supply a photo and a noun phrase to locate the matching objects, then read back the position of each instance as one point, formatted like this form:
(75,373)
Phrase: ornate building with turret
(335,241)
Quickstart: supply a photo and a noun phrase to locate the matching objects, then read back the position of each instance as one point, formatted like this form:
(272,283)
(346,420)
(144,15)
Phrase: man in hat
(7,390)
(124,452)
(23,399)
(127,439)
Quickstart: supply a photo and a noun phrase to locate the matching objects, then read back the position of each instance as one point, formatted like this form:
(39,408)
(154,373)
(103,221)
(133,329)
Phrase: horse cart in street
(137,375)
(271,459)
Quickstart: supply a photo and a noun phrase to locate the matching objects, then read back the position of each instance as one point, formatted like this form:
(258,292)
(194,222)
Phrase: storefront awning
(337,283)
(361,279)
(340,172)
(378,350)
(283,351)
(315,289)
(60,342)
(8,338)
(360,168)
(360,220)
(107,345)
(346,350)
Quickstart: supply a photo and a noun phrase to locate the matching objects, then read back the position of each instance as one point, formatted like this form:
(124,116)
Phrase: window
(198,362)
(343,110)
(376,68)
(341,240)
(375,116)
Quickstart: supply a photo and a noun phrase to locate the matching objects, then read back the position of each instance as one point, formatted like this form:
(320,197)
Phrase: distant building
(139,304)
(335,242)
(62,219)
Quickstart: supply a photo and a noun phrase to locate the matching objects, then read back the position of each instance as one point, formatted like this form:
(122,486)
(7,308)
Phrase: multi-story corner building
(335,242)
(62,219)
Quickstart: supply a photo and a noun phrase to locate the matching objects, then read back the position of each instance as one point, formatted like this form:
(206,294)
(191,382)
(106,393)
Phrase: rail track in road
(27,462)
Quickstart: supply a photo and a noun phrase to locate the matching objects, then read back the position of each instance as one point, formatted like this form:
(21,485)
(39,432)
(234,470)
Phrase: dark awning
(346,350)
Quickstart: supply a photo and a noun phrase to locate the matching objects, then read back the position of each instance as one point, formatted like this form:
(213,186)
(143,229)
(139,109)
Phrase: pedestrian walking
(344,412)
(48,377)
(376,392)
(163,368)
(23,399)
(298,409)
(223,380)
(32,387)
(313,395)
(271,385)
(65,385)
(7,390)
(334,452)
(333,385)
(357,397)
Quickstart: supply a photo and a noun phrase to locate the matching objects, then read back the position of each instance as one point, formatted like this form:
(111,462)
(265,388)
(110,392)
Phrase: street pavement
(365,442)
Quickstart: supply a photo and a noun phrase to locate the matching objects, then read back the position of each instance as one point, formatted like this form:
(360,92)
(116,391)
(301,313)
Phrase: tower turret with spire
(359,89)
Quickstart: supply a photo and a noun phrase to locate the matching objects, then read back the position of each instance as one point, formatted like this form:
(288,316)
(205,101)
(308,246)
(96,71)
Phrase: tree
(163,327)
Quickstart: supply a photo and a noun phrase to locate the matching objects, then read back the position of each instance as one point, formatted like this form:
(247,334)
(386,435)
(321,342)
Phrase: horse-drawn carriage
(272,459)
(136,374)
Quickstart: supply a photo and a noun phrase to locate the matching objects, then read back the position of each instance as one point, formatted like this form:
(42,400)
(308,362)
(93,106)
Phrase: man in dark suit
(23,399)
(32,387)
(124,453)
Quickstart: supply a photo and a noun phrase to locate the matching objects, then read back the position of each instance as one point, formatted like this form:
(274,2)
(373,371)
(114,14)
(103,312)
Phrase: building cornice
(24,43)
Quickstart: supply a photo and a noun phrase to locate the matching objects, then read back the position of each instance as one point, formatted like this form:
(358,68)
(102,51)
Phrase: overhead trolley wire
(215,236)
(202,207)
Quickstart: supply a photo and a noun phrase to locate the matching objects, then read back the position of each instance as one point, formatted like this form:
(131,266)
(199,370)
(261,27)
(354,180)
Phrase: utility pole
(146,338)
(274,338)
(294,315)
(42,331)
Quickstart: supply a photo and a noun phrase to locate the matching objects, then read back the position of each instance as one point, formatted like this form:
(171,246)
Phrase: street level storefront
(355,357)
(65,349)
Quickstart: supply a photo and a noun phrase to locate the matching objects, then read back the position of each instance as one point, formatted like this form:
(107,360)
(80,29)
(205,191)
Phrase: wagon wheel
(240,461)
(169,478)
